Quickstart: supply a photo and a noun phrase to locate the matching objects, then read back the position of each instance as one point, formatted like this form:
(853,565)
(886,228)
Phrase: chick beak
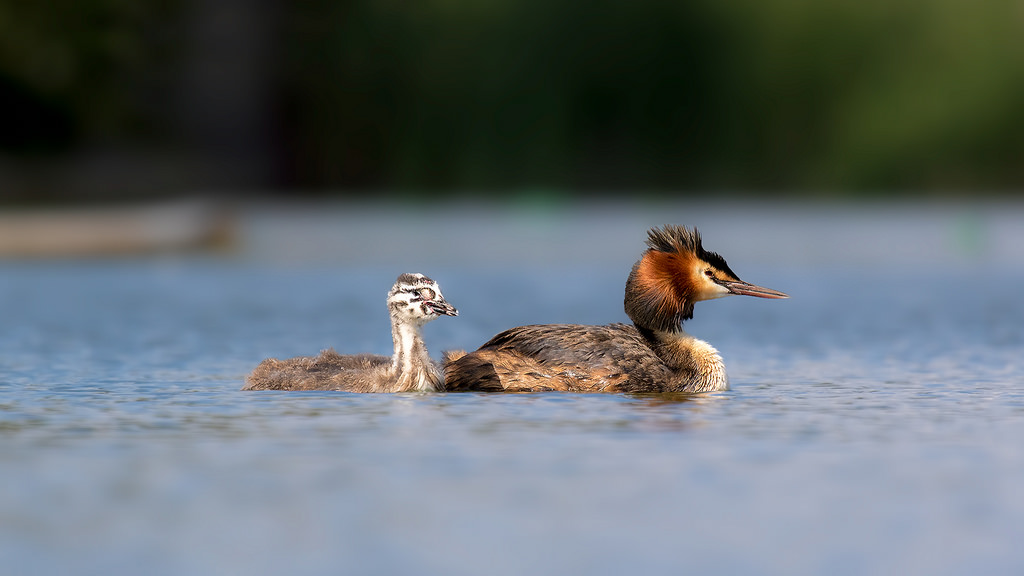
(441,306)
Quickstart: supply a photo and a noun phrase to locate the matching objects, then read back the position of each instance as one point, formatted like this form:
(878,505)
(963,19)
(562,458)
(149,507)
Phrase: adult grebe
(652,355)
(413,301)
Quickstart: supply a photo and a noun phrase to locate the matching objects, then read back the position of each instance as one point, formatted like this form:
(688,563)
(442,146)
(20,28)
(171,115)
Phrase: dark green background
(115,98)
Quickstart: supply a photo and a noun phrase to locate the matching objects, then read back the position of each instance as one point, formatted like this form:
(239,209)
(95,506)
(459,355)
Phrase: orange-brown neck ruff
(659,291)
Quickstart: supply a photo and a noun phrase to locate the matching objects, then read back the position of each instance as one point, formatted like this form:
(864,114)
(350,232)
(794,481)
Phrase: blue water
(874,424)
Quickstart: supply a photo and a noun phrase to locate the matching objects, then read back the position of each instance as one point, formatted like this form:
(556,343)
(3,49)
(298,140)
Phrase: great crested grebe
(652,355)
(413,301)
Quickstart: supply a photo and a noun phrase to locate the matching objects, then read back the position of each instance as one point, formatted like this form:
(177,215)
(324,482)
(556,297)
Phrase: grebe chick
(654,354)
(413,301)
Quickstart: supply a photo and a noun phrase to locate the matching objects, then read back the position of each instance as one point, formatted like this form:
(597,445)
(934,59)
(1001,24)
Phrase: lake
(875,420)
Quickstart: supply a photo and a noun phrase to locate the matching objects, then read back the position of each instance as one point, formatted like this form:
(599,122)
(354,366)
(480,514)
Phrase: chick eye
(709,273)
(427,294)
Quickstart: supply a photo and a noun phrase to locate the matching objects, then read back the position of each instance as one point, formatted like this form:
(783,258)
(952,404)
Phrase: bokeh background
(188,187)
(111,99)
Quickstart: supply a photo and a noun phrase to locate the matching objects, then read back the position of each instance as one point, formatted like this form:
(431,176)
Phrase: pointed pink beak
(744,289)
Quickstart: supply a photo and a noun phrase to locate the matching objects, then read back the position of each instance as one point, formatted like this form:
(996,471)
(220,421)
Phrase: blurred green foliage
(836,95)
(74,71)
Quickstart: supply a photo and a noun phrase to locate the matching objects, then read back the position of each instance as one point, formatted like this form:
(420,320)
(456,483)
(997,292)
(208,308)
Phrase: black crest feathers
(680,239)
(672,238)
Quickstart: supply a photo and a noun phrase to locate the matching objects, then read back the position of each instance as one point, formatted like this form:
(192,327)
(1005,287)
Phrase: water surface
(874,424)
